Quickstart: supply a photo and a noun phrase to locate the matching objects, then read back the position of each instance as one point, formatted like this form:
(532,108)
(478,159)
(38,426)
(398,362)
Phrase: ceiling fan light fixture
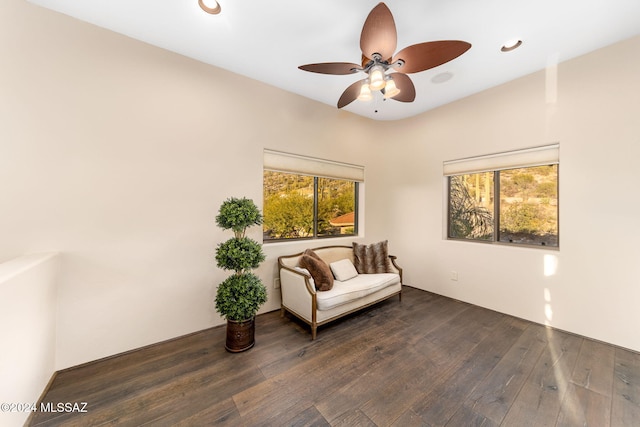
(390,89)
(210,6)
(511,45)
(365,92)
(376,77)
(385,71)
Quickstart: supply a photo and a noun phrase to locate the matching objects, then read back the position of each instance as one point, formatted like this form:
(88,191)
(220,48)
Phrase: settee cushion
(358,287)
(343,270)
(319,270)
(373,258)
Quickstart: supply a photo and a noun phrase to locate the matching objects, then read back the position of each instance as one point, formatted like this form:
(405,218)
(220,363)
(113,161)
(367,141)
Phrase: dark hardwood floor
(425,361)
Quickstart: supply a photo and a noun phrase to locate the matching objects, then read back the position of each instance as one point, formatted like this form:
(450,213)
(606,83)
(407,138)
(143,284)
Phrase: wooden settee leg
(314,331)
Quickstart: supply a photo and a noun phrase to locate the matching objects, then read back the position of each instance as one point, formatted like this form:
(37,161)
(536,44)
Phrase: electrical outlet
(454,276)
(276,283)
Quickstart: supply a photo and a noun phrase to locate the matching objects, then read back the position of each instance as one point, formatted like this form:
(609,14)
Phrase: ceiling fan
(385,71)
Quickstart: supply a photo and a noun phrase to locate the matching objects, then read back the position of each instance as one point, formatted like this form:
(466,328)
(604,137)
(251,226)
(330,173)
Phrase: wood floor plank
(363,323)
(594,367)
(87,379)
(308,417)
(625,408)
(584,407)
(221,414)
(465,416)
(343,361)
(447,395)
(157,392)
(410,419)
(493,397)
(540,399)
(374,381)
(353,418)
(388,378)
(182,396)
(392,364)
(588,398)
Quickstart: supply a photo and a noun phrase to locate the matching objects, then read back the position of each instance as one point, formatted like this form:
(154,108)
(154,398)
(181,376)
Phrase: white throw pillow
(302,270)
(305,271)
(343,270)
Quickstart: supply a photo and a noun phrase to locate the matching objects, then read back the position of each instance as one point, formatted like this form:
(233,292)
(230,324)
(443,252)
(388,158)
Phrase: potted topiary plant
(240,296)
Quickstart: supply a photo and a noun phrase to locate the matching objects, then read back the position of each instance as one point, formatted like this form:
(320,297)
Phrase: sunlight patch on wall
(548,311)
(550,265)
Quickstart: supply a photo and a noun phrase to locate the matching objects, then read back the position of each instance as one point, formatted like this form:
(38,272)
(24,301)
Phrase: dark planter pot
(240,335)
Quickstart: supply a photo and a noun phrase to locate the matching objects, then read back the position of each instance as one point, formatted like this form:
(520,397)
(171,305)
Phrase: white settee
(300,297)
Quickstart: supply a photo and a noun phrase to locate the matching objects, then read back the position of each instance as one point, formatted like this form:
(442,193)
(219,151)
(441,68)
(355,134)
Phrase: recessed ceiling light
(442,77)
(210,6)
(511,45)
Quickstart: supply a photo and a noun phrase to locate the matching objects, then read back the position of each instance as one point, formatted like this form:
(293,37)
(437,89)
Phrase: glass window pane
(288,206)
(529,206)
(336,207)
(471,206)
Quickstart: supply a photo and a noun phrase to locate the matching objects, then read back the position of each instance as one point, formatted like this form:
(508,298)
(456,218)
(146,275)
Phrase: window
(525,210)
(302,202)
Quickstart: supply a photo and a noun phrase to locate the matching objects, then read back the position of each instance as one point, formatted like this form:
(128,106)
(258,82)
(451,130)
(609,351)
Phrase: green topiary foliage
(240,296)
(238,214)
(239,254)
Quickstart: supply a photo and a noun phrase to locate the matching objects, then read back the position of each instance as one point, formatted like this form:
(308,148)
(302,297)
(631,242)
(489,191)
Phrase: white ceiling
(267,41)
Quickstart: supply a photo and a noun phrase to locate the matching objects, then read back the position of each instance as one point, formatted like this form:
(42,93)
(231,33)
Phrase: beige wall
(118,154)
(593,113)
(28,319)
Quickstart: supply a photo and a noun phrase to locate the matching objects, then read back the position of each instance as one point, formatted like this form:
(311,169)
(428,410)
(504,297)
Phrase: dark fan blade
(350,94)
(379,33)
(407,89)
(422,56)
(332,68)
